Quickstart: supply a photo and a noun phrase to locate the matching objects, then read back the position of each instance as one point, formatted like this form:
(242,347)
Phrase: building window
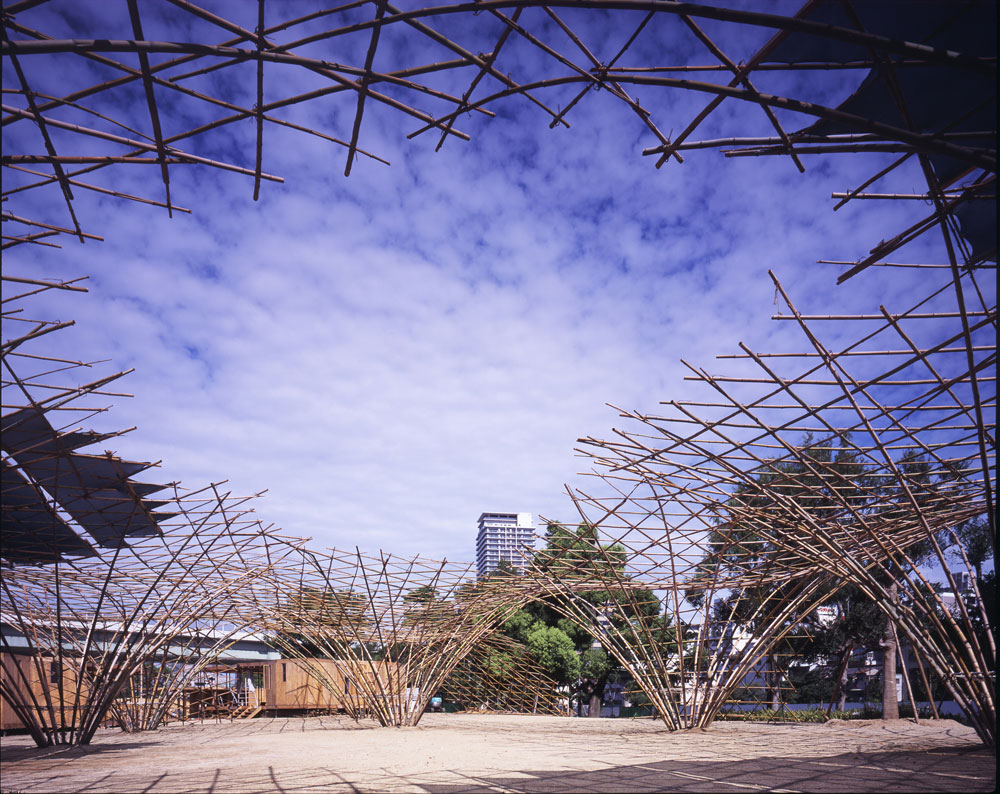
(284,672)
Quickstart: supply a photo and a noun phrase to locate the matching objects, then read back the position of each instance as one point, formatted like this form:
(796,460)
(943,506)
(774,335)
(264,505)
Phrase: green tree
(601,597)
(977,543)
(834,487)
(421,595)
(504,569)
(858,623)
(828,482)
(554,651)
(988,593)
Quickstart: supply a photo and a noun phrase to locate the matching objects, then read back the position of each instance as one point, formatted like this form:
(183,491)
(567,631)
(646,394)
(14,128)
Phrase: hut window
(284,672)
(54,672)
(347,686)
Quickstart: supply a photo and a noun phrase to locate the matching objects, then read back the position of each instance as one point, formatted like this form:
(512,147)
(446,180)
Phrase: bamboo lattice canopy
(204,73)
(702,497)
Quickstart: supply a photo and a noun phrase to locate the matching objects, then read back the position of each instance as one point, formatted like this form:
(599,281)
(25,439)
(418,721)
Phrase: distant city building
(504,536)
(965,592)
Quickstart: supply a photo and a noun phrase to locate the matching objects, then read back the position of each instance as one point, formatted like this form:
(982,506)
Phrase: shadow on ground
(67,751)
(296,756)
(959,770)
(956,770)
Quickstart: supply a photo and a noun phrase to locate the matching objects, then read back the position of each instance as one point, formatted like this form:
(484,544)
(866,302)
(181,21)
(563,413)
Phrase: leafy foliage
(606,606)
(555,652)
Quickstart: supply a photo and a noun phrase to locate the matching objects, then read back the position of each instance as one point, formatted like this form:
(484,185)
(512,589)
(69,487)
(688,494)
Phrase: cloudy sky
(391,353)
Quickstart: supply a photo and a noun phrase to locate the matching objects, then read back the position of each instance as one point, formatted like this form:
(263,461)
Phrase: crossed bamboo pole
(914,471)
(395,628)
(673,479)
(82,620)
(481,61)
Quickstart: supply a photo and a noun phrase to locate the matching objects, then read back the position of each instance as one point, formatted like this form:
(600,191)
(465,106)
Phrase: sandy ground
(490,753)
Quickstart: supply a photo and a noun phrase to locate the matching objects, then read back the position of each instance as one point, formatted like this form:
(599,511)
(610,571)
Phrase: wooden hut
(236,691)
(42,685)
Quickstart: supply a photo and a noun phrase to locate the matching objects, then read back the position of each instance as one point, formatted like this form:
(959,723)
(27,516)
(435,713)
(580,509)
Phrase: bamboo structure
(857,468)
(691,614)
(750,508)
(849,459)
(843,461)
(160,689)
(102,583)
(430,66)
(84,629)
(61,504)
(500,676)
(395,628)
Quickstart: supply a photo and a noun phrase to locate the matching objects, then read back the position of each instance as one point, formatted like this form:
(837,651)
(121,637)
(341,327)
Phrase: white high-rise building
(504,536)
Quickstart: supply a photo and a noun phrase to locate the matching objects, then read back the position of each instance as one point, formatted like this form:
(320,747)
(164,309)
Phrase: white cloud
(393,353)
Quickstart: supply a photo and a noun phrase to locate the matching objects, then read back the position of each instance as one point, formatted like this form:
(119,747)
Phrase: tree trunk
(842,699)
(773,678)
(597,695)
(840,685)
(890,701)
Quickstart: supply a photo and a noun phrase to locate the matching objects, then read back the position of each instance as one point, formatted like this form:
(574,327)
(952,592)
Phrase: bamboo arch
(910,396)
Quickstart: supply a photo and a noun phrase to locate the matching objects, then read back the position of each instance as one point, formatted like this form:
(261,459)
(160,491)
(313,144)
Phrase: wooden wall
(290,684)
(41,685)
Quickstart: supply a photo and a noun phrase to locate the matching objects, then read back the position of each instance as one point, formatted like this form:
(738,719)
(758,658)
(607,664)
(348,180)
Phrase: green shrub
(872,711)
(786,715)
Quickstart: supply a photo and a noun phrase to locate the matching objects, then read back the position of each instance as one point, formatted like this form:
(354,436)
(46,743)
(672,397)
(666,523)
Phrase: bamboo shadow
(67,751)
(971,769)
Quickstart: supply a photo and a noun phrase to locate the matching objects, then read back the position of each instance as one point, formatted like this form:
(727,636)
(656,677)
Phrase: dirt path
(488,753)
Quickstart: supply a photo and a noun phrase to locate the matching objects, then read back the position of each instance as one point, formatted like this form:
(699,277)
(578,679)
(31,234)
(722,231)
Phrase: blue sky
(392,353)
